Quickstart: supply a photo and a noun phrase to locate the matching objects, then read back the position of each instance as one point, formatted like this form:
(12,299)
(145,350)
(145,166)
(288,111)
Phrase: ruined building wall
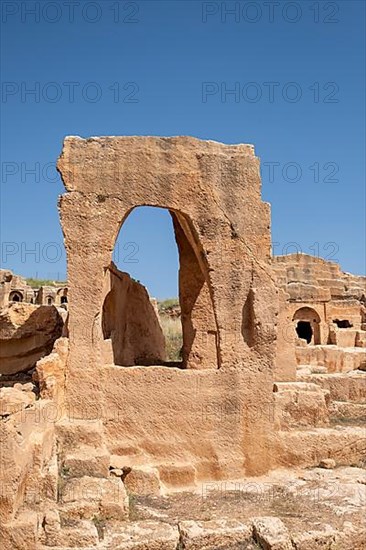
(14,288)
(318,285)
(229,305)
(324,307)
(130,326)
(27,333)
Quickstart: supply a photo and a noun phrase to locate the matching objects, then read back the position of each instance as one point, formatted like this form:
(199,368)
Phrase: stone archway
(307,325)
(61,296)
(199,329)
(222,230)
(15,296)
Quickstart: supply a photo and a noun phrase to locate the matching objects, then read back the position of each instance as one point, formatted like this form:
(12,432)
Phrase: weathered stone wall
(320,292)
(14,288)
(27,333)
(228,298)
(130,326)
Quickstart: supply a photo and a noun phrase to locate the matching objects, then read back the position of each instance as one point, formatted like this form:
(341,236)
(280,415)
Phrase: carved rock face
(27,333)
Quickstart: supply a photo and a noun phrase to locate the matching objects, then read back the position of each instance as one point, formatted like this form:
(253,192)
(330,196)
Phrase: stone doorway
(304,330)
(136,331)
(307,325)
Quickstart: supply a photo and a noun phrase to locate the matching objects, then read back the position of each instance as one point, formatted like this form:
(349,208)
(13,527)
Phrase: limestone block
(143,535)
(361,339)
(76,534)
(143,481)
(300,404)
(177,475)
(87,461)
(105,495)
(209,535)
(13,400)
(27,333)
(21,533)
(271,533)
(346,338)
(326,537)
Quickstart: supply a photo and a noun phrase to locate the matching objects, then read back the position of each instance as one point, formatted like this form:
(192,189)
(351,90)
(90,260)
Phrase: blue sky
(296,76)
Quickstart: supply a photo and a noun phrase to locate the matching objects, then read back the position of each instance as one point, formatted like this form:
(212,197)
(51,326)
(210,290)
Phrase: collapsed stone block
(144,535)
(207,535)
(271,533)
(27,333)
(96,495)
(142,481)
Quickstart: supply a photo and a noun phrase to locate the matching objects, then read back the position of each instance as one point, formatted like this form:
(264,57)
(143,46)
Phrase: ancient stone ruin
(110,445)
(15,289)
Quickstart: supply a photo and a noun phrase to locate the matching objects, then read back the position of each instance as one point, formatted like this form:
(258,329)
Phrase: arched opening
(304,330)
(49,300)
(342,323)
(61,297)
(307,325)
(15,296)
(169,322)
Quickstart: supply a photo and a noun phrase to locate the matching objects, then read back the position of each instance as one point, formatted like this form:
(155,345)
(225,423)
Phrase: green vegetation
(170,303)
(169,312)
(100,523)
(172,330)
(37,283)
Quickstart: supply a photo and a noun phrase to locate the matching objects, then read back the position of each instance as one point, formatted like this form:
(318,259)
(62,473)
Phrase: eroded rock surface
(27,333)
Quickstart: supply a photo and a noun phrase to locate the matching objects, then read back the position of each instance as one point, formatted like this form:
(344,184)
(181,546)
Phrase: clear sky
(288,77)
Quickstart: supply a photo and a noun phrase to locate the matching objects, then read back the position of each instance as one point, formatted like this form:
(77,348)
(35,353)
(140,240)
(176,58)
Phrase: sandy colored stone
(142,481)
(271,533)
(144,535)
(87,461)
(13,400)
(332,357)
(20,534)
(27,333)
(214,534)
(344,444)
(324,537)
(327,463)
(50,372)
(300,404)
(227,292)
(78,534)
(341,386)
(346,411)
(129,323)
(107,496)
(177,475)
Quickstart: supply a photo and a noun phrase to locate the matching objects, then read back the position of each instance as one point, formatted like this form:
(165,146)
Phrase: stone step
(334,358)
(72,433)
(300,404)
(346,445)
(345,410)
(86,461)
(349,386)
(90,497)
